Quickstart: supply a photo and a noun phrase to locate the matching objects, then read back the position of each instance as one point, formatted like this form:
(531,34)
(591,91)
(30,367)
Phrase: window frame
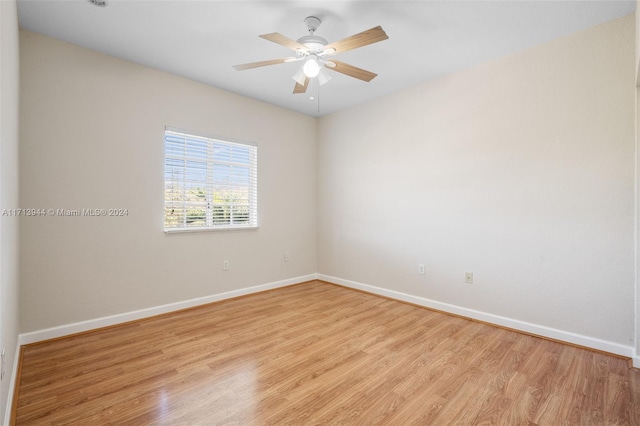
(252,186)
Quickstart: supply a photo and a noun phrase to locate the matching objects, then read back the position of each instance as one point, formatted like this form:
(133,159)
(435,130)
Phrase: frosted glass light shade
(311,68)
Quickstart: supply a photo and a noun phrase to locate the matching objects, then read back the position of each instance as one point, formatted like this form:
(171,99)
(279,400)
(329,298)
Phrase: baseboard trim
(635,360)
(82,326)
(8,410)
(525,327)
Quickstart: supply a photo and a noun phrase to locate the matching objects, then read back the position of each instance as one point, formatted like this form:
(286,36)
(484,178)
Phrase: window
(209,183)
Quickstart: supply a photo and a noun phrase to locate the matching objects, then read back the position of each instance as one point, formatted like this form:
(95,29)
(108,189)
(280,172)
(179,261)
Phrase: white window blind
(209,183)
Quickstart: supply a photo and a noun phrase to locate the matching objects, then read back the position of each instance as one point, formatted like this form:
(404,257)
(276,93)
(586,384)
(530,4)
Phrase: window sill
(190,230)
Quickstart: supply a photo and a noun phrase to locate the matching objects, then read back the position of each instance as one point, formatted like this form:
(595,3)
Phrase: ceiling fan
(315,50)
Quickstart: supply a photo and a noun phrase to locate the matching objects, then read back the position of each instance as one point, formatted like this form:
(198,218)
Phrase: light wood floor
(316,353)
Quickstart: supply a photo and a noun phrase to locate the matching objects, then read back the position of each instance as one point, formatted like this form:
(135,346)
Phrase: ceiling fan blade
(242,67)
(284,41)
(350,70)
(301,88)
(364,38)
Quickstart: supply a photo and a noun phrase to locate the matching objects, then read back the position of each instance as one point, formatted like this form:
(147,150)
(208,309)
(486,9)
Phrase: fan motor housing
(313,42)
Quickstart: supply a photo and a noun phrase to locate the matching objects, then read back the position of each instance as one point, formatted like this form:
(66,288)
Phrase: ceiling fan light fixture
(311,68)
(299,77)
(323,77)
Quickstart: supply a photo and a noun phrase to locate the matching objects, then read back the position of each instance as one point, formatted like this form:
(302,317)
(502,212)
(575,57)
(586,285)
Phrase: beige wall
(520,170)
(637,39)
(92,137)
(9,82)
(636,359)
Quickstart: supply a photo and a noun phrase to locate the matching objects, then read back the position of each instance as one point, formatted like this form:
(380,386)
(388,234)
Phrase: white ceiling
(201,40)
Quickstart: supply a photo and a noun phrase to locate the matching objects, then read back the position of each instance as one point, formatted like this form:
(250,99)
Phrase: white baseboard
(78,327)
(526,327)
(635,360)
(12,384)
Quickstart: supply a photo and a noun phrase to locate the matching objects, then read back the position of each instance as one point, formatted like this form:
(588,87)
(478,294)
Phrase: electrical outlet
(468,277)
(286,256)
(2,362)
(421,269)
(225,265)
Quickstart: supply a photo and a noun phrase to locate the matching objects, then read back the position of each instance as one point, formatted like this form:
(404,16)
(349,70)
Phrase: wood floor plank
(317,353)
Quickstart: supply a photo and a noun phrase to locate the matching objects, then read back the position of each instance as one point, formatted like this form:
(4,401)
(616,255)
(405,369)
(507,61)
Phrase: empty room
(305,212)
